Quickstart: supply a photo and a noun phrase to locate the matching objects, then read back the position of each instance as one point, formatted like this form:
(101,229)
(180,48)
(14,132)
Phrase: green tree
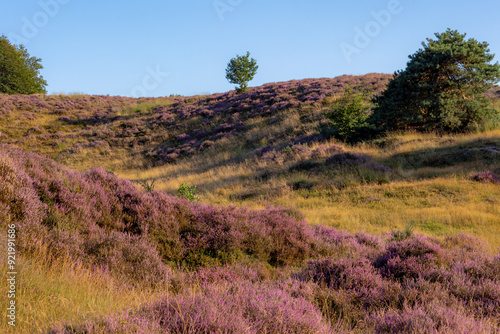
(348,114)
(240,70)
(441,88)
(19,72)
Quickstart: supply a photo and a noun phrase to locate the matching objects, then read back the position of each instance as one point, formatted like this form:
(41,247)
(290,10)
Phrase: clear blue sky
(112,47)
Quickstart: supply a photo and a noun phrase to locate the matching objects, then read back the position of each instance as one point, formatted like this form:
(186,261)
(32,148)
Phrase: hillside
(265,271)
(77,129)
(266,146)
(293,231)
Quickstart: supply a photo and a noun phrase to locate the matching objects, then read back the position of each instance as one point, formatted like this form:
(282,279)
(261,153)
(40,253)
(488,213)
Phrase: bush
(187,192)
(413,257)
(486,177)
(232,307)
(348,114)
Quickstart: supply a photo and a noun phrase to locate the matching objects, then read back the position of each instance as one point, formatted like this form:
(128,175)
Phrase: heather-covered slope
(257,271)
(113,130)
(106,256)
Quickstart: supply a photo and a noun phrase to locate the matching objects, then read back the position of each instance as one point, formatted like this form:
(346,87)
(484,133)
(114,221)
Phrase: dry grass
(51,291)
(439,200)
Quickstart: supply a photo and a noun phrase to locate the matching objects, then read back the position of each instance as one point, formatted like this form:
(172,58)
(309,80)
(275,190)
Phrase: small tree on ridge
(240,70)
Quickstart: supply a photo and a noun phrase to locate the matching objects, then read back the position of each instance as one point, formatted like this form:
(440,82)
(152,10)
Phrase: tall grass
(441,198)
(51,291)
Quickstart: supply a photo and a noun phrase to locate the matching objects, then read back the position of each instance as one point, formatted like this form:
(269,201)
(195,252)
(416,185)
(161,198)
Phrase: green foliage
(187,192)
(405,233)
(348,114)
(19,72)
(441,88)
(240,70)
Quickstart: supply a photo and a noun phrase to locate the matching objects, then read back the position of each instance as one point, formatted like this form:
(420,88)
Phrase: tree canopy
(442,87)
(19,72)
(240,70)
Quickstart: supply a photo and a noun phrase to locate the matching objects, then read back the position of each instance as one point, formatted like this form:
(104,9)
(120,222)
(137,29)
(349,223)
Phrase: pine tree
(442,87)
(240,70)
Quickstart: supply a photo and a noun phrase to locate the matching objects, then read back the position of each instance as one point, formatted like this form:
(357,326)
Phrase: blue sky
(158,48)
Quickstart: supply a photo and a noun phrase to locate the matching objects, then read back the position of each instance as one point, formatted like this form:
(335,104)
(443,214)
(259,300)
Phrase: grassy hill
(265,147)
(294,231)
(82,131)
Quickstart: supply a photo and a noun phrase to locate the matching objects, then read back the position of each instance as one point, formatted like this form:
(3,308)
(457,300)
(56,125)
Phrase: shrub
(186,191)
(19,72)
(405,233)
(323,151)
(348,114)
(232,307)
(413,257)
(347,159)
(486,177)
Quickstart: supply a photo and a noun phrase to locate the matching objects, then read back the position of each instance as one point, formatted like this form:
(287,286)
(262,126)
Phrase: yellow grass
(438,201)
(59,291)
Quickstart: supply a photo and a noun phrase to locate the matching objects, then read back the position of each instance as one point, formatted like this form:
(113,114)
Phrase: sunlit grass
(439,201)
(51,291)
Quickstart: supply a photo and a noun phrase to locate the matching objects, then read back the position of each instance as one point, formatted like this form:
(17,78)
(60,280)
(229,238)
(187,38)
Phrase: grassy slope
(429,184)
(212,142)
(252,267)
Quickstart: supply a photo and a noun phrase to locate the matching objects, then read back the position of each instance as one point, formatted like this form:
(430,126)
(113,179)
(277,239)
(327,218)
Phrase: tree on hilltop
(442,87)
(240,70)
(19,72)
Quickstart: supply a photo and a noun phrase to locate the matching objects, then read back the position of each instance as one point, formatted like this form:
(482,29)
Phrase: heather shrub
(148,185)
(357,245)
(429,318)
(352,283)
(410,258)
(133,258)
(302,152)
(304,166)
(80,215)
(347,159)
(232,307)
(486,177)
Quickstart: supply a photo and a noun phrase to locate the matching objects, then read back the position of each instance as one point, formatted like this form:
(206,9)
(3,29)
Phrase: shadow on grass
(477,152)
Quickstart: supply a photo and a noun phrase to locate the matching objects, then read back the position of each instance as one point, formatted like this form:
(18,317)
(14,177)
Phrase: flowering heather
(429,318)
(231,307)
(347,159)
(238,270)
(166,129)
(110,223)
(487,177)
